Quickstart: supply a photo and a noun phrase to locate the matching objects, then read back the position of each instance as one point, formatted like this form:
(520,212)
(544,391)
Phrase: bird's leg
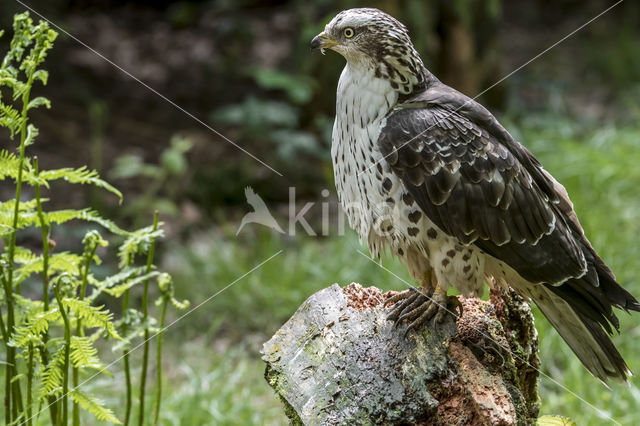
(418,305)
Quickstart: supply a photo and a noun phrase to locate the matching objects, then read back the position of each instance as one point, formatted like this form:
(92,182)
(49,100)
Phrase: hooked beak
(322,41)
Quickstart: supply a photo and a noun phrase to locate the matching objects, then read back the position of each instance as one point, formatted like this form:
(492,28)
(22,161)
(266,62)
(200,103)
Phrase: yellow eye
(349,32)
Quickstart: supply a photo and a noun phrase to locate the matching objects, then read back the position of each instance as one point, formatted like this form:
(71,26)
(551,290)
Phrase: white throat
(361,94)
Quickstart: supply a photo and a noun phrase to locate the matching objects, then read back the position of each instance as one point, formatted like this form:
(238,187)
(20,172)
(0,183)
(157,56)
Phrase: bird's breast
(363,102)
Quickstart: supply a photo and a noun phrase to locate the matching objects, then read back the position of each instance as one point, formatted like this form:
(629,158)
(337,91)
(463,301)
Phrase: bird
(260,214)
(428,174)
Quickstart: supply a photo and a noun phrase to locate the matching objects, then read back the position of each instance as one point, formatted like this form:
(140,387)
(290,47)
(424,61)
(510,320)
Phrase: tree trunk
(339,361)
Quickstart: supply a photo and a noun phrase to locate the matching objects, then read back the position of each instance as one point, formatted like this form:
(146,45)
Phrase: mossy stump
(338,360)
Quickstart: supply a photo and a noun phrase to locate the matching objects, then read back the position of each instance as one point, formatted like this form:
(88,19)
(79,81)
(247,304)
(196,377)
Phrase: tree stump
(338,360)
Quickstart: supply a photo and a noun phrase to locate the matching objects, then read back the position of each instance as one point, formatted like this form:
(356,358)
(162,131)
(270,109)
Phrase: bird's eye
(349,32)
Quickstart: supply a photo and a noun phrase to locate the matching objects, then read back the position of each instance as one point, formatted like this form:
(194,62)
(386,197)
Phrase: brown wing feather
(475,188)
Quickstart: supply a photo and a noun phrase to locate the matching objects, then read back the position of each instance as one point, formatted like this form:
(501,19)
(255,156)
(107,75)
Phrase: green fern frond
(23,255)
(81,176)
(118,290)
(29,217)
(6,207)
(92,316)
(42,76)
(136,327)
(51,376)
(83,353)
(26,213)
(26,304)
(114,280)
(5,230)
(64,261)
(95,406)
(165,285)
(26,308)
(10,118)
(59,262)
(138,243)
(9,163)
(32,133)
(34,328)
(38,102)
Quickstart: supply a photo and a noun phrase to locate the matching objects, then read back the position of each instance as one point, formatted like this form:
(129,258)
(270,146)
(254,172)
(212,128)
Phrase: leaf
(38,102)
(115,279)
(41,75)
(9,163)
(555,421)
(117,291)
(29,217)
(138,242)
(81,175)
(58,262)
(31,332)
(95,406)
(128,166)
(26,213)
(32,133)
(83,353)
(51,377)
(136,327)
(299,88)
(10,118)
(92,316)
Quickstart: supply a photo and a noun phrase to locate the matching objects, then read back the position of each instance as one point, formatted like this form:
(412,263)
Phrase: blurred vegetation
(245,69)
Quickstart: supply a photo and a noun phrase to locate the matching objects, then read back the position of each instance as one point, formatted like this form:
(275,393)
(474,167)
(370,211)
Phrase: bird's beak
(322,41)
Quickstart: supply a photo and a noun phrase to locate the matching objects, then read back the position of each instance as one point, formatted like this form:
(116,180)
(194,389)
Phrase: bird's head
(371,39)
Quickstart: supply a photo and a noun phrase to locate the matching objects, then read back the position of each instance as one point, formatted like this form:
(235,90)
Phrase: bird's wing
(482,190)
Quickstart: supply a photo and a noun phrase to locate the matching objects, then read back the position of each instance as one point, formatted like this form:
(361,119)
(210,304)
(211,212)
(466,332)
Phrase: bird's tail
(585,336)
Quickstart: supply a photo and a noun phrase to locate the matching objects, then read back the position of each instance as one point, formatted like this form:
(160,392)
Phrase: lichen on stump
(338,360)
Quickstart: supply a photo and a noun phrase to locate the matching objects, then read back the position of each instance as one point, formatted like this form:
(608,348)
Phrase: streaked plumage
(430,174)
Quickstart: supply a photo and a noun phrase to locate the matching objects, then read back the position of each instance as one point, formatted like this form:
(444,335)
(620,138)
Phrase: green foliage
(298,88)
(164,180)
(43,353)
(276,121)
(555,421)
(95,406)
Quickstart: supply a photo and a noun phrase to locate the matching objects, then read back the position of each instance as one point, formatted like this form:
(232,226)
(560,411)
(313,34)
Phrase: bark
(337,360)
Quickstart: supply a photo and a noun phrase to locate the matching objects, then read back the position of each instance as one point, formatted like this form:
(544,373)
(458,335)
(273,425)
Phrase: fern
(10,118)
(32,133)
(51,377)
(49,342)
(36,326)
(10,166)
(59,262)
(95,406)
(9,162)
(114,280)
(29,217)
(92,316)
(24,255)
(80,176)
(118,290)
(138,242)
(84,353)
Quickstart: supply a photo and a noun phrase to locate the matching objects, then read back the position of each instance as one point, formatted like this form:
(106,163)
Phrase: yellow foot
(419,305)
